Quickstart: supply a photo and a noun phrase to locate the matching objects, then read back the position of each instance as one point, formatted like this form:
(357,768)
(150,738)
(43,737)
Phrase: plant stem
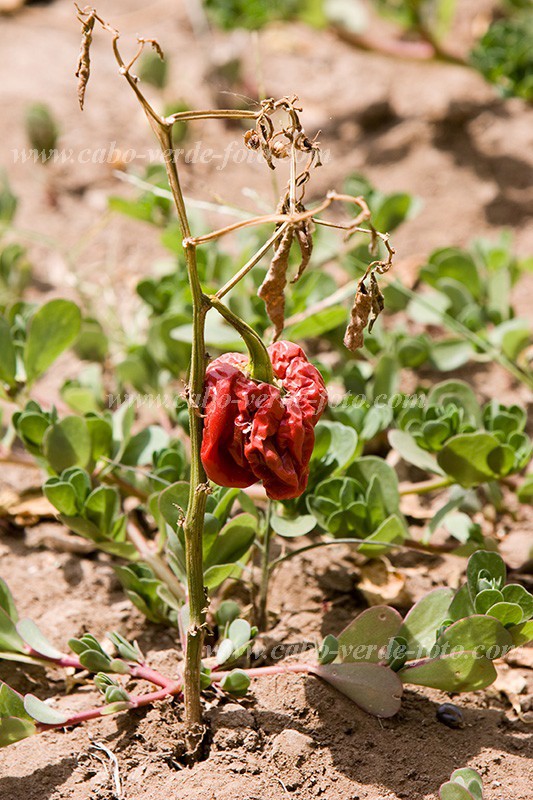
(260,366)
(278,233)
(194,517)
(408,544)
(424,487)
(265,572)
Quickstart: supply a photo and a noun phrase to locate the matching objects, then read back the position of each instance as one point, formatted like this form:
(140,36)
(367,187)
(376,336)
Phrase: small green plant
(503,55)
(464,784)
(42,130)
(447,641)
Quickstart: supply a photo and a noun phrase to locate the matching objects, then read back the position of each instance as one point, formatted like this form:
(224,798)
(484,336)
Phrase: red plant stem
(168,688)
(139,671)
(260,672)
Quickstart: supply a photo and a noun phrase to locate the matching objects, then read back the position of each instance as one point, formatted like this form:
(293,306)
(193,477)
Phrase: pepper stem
(260,363)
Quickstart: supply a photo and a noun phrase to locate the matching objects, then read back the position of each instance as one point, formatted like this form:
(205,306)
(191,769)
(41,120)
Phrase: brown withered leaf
(83,70)
(378,301)
(361,310)
(272,290)
(304,237)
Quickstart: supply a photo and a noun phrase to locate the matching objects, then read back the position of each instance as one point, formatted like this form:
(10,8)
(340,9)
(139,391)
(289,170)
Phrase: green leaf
(328,650)
(95,661)
(368,635)
(423,621)
(240,633)
(392,530)
(449,354)
(481,634)
(42,712)
(455,672)
(465,458)
(506,613)
(386,377)
(141,448)
(470,779)
(173,503)
(374,688)
(515,593)
(486,599)
(67,444)
(9,638)
(487,565)
(34,637)
(101,507)
(461,394)
(290,528)
(236,683)
(453,791)
(52,330)
(101,434)
(462,604)
(8,357)
(342,443)
(214,576)
(522,634)
(11,702)
(62,495)
(128,650)
(525,491)
(13,729)
(317,324)
(406,446)
(227,611)
(6,601)
(365,468)
(233,541)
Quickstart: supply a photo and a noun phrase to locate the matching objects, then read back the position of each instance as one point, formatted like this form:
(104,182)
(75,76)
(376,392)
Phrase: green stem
(408,544)
(424,487)
(262,605)
(194,517)
(260,364)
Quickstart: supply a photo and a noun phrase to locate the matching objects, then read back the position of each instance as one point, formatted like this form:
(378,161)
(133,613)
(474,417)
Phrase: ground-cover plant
(447,641)
(464,784)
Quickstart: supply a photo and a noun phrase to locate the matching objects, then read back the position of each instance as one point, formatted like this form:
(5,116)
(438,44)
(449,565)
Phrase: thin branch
(278,233)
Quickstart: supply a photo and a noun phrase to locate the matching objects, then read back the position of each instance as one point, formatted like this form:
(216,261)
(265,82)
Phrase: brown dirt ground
(436,131)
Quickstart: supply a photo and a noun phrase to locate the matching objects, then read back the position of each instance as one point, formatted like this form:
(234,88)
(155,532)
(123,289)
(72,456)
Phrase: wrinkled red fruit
(256,431)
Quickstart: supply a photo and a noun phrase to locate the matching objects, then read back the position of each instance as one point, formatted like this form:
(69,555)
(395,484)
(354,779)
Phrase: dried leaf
(304,237)
(361,309)
(272,288)
(378,302)
(83,69)
(156,46)
(381,584)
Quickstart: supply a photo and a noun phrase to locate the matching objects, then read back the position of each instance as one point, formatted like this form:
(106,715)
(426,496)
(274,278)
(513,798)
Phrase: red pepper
(260,431)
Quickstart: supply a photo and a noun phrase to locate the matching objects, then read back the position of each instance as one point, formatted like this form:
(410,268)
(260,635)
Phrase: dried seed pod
(280,149)
(272,288)
(83,70)
(450,715)
(361,309)
(252,140)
